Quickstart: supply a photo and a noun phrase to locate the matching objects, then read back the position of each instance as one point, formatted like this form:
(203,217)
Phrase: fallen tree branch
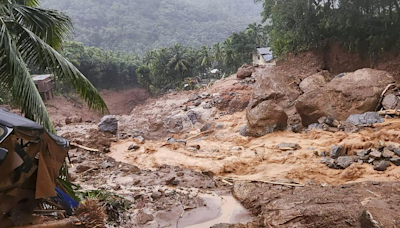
(383,94)
(201,134)
(65,223)
(49,211)
(227,182)
(84,147)
(277,183)
(390,112)
(266,182)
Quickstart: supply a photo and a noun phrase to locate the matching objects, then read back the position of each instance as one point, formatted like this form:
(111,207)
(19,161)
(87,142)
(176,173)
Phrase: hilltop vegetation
(139,26)
(367,27)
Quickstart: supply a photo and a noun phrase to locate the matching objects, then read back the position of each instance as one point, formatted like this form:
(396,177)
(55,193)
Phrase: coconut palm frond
(51,26)
(16,78)
(30,36)
(37,52)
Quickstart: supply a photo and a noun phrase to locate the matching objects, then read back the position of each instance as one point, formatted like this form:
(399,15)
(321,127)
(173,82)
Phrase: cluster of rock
(280,100)
(352,124)
(380,158)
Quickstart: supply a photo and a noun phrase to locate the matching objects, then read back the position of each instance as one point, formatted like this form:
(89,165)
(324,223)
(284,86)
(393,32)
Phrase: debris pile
(381,158)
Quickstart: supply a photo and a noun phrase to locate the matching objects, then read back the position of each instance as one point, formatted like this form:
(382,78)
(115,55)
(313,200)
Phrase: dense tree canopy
(365,26)
(139,26)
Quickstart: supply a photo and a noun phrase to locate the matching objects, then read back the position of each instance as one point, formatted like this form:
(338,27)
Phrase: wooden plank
(84,147)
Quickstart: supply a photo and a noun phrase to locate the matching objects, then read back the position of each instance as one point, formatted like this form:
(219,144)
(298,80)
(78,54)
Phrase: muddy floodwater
(218,209)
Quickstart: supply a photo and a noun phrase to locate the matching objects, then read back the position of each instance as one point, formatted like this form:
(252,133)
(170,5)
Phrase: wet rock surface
(109,124)
(366,118)
(245,71)
(267,117)
(354,93)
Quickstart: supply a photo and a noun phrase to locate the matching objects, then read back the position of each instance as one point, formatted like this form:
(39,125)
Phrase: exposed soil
(209,175)
(119,103)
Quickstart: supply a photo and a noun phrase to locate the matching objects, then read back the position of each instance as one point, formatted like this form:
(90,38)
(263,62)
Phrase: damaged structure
(30,161)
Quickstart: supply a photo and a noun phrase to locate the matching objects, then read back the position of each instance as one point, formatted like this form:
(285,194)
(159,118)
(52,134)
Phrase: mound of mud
(317,206)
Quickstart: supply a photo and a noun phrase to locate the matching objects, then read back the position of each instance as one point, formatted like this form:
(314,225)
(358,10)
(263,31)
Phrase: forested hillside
(139,26)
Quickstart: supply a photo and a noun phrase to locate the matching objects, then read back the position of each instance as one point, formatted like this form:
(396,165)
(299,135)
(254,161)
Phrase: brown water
(218,209)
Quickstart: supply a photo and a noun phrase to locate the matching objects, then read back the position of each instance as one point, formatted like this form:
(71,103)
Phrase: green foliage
(367,27)
(169,68)
(104,69)
(140,26)
(30,36)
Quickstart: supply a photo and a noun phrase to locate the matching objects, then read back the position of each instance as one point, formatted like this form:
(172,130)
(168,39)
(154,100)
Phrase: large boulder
(313,82)
(265,118)
(346,94)
(108,124)
(245,71)
(272,102)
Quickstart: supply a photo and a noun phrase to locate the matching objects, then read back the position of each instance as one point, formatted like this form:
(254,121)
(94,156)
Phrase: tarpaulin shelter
(30,161)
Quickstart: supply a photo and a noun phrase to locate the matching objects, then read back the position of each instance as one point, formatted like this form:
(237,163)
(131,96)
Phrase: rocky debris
(105,165)
(171,140)
(197,103)
(288,146)
(134,146)
(205,95)
(265,118)
(381,165)
(344,161)
(245,71)
(354,93)
(380,158)
(73,120)
(390,102)
(172,181)
(143,218)
(395,161)
(108,124)
(82,168)
(237,148)
(315,126)
(208,173)
(243,131)
(330,162)
(366,118)
(207,106)
(139,139)
(194,97)
(216,95)
(193,116)
(313,82)
(156,195)
(179,121)
(387,154)
(207,127)
(366,220)
(330,121)
(375,154)
(337,151)
(348,127)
